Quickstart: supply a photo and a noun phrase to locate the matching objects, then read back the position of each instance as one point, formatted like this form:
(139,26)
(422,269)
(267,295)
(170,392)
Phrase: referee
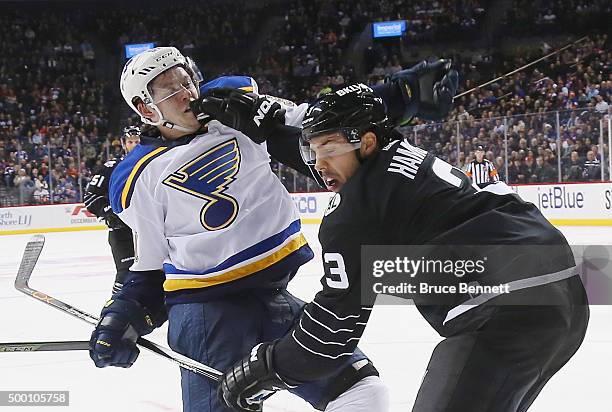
(481,171)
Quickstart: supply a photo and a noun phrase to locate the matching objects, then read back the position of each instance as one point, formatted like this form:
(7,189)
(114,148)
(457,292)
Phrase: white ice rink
(76,267)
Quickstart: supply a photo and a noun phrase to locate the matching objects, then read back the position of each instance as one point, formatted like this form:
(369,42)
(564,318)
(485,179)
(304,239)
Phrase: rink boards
(563,204)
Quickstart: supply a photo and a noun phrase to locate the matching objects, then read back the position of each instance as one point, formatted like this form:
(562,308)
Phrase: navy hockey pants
(219,333)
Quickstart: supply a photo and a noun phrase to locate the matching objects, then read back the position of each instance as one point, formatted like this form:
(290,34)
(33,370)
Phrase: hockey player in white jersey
(205,206)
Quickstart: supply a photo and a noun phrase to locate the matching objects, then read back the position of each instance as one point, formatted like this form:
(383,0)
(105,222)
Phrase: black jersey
(405,196)
(96,196)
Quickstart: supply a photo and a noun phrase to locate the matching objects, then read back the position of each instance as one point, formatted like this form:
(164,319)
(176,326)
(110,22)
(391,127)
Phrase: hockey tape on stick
(28,262)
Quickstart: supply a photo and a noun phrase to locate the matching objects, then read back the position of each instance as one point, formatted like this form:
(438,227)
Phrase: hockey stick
(44,346)
(567,46)
(28,262)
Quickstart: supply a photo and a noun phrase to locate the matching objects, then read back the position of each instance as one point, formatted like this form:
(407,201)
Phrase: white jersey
(209,211)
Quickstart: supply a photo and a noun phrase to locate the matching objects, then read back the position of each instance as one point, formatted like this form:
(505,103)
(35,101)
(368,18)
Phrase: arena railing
(580,130)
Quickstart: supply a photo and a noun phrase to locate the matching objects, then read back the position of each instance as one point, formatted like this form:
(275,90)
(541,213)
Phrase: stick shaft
(44,346)
(28,262)
(567,46)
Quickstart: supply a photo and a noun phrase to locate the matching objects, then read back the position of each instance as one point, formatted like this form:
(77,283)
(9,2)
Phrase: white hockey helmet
(141,69)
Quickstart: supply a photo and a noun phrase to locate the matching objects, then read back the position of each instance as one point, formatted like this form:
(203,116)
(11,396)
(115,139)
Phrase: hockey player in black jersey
(499,349)
(97,202)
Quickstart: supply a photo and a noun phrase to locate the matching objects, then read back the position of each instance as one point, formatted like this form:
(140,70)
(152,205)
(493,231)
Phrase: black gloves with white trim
(427,90)
(253,115)
(252,380)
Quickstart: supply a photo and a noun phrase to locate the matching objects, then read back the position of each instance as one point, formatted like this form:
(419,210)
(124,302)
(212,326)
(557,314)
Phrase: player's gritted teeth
(331,183)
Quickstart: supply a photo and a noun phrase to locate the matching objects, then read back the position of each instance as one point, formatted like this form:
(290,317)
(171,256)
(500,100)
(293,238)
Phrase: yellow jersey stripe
(172,285)
(131,180)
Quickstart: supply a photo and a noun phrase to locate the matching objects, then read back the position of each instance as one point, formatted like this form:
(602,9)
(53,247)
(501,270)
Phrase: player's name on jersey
(407,160)
(424,288)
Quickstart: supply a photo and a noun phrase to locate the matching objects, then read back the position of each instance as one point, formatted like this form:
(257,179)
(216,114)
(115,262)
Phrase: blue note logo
(207,177)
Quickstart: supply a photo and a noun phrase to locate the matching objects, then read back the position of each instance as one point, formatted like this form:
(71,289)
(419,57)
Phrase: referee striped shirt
(482,173)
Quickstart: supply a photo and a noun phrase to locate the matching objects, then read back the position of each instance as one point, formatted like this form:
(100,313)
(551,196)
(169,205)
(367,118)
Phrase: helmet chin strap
(175,126)
(164,122)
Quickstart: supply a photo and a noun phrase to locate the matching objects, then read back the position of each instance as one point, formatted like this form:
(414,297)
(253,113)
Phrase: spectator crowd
(56,98)
(576,84)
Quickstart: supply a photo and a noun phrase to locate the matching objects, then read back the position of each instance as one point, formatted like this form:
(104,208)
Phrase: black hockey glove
(113,342)
(111,219)
(255,116)
(251,380)
(427,89)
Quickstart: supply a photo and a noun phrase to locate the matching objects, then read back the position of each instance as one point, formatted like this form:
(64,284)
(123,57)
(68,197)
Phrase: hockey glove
(427,89)
(113,342)
(112,220)
(251,380)
(253,115)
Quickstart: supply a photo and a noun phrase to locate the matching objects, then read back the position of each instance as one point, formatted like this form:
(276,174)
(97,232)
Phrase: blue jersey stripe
(246,254)
(276,276)
(122,173)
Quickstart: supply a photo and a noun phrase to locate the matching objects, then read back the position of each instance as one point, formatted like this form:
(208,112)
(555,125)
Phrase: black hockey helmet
(131,131)
(352,111)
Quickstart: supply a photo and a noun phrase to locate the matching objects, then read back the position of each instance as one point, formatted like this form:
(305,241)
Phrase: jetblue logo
(207,177)
(262,111)
(558,197)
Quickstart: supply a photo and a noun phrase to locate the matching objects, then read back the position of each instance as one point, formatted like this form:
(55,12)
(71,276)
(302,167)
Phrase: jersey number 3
(335,271)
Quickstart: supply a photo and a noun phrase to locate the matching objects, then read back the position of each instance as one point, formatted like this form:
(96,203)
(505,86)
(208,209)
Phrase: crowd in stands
(576,83)
(201,29)
(49,100)
(54,106)
(54,109)
(305,56)
(537,17)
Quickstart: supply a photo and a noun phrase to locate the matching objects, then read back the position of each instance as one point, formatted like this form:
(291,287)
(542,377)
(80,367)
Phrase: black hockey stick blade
(28,262)
(44,346)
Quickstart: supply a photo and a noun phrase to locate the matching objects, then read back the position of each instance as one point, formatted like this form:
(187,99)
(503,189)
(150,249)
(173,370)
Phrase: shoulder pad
(124,177)
(245,83)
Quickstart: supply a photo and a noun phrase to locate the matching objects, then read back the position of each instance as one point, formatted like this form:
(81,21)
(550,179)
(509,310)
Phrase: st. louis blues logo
(207,177)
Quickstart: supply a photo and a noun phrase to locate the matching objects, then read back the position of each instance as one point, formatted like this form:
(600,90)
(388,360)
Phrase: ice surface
(77,267)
